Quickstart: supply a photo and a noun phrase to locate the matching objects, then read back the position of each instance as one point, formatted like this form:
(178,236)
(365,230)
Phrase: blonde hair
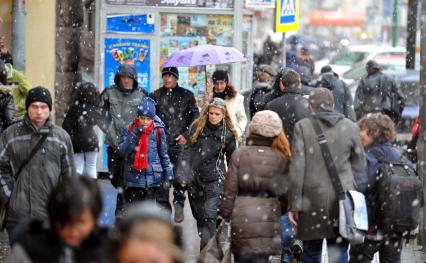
(281,145)
(202,120)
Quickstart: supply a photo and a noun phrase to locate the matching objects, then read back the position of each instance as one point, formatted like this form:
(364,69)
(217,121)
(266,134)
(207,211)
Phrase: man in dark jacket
(176,107)
(261,86)
(26,184)
(377,92)
(291,106)
(119,106)
(342,96)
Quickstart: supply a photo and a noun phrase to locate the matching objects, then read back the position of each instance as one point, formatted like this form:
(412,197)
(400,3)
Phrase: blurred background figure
(82,116)
(262,85)
(146,235)
(4,52)
(71,233)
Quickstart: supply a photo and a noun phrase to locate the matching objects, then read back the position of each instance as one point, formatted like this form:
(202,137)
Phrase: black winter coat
(372,96)
(257,97)
(291,107)
(343,101)
(199,159)
(177,109)
(79,122)
(37,242)
(7,111)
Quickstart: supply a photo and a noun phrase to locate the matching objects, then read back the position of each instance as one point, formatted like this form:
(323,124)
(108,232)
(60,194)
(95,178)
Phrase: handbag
(353,217)
(218,249)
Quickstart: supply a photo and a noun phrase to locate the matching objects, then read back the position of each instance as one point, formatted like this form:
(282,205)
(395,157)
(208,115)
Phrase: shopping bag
(218,249)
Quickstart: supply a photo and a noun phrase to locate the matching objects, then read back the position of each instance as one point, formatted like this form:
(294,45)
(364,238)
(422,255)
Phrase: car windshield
(355,73)
(348,58)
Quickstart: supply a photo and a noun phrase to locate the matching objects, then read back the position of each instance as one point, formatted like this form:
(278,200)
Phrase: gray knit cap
(266,123)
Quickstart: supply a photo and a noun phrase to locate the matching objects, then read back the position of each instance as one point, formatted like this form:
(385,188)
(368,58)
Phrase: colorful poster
(260,3)
(176,3)
(131,24)
(128,51)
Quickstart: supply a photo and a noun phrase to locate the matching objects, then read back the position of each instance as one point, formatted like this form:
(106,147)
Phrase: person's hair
(379,126)
(290,79)
(277,79)
(71,197)
(202,120)
(85,93)
(280,144)
(3,73)
(321,97)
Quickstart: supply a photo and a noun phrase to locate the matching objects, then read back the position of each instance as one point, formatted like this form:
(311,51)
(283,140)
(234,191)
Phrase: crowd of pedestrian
(255,162)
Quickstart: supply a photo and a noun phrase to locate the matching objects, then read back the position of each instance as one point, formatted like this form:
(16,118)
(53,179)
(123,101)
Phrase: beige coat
(311,191)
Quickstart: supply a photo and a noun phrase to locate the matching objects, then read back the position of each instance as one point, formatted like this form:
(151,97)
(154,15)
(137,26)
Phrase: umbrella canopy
(204,55)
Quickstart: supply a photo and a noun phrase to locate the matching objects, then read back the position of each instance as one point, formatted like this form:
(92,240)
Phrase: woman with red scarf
(147,169)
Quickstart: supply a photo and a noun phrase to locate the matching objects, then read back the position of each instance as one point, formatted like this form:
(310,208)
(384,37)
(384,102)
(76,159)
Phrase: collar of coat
(28,123)
(257,140)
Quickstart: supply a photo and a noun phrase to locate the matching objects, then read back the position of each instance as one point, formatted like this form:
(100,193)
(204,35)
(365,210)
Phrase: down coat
(159,167)
(29,192)
(254,183)
(311,191)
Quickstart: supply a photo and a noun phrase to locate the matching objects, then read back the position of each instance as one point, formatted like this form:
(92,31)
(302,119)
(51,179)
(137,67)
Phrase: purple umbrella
(204,55)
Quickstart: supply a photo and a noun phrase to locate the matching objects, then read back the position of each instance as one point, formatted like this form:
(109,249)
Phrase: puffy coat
(372,93)
(159,167)
(79,122)
(20,93)
(257,96)
(202,164)
(255,181)
(291,107)
(38,243)
(119,106)
(177,109)
(29,192)
(311,191)
(7,111)
(343,101)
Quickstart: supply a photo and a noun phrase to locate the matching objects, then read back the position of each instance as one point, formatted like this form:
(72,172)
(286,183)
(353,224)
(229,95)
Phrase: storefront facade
(146,32)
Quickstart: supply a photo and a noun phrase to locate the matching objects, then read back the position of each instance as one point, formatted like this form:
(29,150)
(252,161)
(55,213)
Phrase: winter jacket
(38,243)
(202,165)
(159,167)
(379,93)
(255,181)
(291,107)
(20,93)
(28,193)
(7,111)
(257,97)
(271,95)
(177,109)
(343,102)
(369,186)
(119,106)
(306,79)
(79,122)
(311,191)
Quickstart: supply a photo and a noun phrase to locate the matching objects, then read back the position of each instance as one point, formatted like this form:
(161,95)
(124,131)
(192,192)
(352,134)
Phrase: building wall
(6,21)
(40,42)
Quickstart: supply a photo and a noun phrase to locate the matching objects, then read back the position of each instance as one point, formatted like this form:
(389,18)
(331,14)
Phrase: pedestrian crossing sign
(287,15)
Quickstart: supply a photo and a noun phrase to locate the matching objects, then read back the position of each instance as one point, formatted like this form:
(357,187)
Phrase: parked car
(347,58)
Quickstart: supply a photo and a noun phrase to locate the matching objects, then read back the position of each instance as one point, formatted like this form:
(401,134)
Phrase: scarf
(141,156)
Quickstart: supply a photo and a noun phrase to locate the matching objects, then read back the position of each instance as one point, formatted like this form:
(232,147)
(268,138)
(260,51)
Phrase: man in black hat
(35,155)
(177,108)
(378,92)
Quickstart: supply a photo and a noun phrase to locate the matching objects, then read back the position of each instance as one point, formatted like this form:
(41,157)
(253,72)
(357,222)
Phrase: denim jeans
(86,161)
(288,232)
(337,250)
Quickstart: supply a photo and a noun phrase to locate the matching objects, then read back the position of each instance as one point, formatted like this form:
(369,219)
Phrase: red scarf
(141,156)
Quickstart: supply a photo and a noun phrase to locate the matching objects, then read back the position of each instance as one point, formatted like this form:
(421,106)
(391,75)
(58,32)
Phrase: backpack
(399,196)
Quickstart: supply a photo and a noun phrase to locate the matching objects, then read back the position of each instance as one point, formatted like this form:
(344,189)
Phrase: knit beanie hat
(266,123)
(147,108)
(220,75)
(170,70)
(38,94)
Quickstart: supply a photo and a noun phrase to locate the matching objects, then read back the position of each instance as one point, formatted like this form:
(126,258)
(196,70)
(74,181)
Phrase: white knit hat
(266,123)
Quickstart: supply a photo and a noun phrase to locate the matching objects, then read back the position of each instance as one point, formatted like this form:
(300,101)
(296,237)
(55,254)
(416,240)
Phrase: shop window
(185,31)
